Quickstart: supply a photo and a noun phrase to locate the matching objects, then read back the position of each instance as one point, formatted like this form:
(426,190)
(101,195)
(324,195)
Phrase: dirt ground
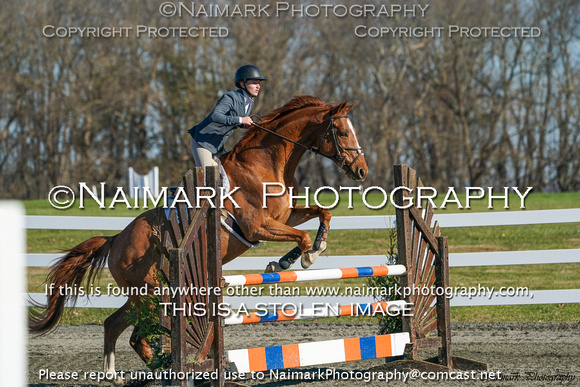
(529,354)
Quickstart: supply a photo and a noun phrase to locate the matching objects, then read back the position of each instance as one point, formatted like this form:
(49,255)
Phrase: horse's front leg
(301,214)
(272,230)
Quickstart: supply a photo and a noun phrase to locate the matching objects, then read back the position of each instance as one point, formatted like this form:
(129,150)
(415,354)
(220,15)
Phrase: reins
(339,158)
(310,149)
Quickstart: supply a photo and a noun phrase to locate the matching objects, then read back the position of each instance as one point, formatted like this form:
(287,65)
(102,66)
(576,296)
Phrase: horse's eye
(343,134)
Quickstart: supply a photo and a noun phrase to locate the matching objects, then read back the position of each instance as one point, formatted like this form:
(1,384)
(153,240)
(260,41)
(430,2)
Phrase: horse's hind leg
(114,325)
(141,346)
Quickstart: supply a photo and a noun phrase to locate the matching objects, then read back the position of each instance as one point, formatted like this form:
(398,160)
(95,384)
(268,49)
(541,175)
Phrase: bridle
(339,157)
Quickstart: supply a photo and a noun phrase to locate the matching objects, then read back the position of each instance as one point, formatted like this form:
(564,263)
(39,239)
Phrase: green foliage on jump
(146,317)
(387,323)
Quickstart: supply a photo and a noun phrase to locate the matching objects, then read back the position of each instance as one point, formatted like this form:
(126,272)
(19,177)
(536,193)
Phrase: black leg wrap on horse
(319,237)
(287,260)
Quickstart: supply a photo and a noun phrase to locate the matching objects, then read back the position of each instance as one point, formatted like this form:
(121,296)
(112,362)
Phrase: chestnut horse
(268,152)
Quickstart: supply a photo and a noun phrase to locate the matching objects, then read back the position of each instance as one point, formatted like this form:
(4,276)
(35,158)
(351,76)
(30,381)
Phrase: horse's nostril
(361,172)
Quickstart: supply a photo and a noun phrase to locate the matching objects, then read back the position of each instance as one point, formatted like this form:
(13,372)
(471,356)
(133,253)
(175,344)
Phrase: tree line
(462,111)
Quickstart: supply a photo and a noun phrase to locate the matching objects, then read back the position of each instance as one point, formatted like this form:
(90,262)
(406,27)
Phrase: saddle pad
(230,224)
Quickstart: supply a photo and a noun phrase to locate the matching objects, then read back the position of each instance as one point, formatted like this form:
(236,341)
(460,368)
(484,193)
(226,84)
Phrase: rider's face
(253,87)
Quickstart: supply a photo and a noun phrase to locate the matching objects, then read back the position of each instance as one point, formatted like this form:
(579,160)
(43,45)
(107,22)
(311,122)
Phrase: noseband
(339,157)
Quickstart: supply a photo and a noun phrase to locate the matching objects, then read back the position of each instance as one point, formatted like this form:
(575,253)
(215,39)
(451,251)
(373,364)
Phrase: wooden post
(214,268)
(405,177)
(178,350)
(443,311)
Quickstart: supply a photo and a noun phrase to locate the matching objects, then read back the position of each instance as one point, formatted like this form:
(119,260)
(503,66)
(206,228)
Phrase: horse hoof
(308,258)
(286,264)
(273,267)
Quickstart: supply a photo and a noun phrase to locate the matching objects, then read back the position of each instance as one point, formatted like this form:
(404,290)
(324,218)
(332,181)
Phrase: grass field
(353,242)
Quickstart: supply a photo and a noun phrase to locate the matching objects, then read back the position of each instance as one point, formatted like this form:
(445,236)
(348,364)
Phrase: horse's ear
(350,106)
(343,108)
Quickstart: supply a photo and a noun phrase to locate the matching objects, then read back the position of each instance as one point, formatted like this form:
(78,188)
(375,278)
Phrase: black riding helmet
(247,72)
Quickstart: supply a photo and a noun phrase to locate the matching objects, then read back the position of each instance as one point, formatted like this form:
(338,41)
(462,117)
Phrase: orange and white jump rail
(324,311)
(313,275)
(319,352)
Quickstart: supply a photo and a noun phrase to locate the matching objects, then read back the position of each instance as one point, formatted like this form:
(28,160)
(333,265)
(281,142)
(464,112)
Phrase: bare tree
(462,110)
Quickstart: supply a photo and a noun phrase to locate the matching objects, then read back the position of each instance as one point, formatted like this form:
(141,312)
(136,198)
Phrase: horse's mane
(294,104)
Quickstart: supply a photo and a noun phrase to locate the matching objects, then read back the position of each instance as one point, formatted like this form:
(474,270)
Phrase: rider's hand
(247,121)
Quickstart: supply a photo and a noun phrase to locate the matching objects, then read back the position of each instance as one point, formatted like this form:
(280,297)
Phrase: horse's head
(339,143)
(308,123)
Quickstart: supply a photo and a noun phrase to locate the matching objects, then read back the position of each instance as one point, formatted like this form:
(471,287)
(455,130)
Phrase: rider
(231,111)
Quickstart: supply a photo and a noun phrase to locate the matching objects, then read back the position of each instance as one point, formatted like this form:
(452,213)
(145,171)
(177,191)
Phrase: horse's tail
(69,270)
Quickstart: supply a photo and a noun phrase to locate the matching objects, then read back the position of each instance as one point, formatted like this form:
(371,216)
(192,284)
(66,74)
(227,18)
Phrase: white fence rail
(376,222)
(493,258)
(563,296)
(504,218)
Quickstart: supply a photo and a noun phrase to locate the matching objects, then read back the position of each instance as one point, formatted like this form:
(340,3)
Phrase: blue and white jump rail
(319,352)
(313,275)
(298,313)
